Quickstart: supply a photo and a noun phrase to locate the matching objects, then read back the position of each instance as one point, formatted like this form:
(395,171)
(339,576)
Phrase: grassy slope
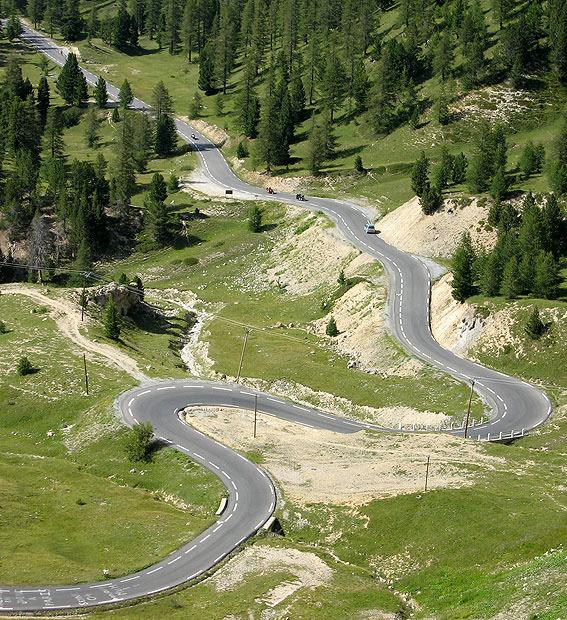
(230,261)
(64,476)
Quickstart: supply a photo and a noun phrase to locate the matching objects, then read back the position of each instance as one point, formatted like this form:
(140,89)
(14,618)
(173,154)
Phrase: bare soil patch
(309,256)
(409,229)
(314,466)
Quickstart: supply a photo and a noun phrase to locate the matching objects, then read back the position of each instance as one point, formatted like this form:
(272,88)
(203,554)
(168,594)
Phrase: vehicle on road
(370,229)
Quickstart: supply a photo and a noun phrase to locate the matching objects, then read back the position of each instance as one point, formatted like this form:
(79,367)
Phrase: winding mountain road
(516,406)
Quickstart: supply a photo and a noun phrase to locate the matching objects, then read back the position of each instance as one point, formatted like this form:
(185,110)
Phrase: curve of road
(517,406)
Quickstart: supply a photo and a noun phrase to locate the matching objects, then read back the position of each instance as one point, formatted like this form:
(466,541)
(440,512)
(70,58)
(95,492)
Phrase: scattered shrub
(25,367)
(139,442)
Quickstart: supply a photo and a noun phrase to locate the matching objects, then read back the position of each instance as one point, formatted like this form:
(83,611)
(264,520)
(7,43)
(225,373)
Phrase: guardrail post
(511,434)
(523,431)
(478,438)
(400,426)
(488,437)
(473,421)
(500,437)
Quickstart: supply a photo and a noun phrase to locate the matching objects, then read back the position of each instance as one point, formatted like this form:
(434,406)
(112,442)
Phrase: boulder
(126,298)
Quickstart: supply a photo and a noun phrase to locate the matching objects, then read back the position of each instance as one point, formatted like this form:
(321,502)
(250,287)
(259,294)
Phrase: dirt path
(68,320)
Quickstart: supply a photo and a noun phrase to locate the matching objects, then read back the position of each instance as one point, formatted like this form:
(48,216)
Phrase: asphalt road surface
(517,407)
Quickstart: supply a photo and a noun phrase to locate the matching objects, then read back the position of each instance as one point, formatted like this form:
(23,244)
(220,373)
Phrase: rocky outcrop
(126,298)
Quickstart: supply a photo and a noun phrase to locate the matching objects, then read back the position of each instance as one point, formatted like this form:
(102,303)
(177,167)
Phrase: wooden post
(255,413)
(86,373)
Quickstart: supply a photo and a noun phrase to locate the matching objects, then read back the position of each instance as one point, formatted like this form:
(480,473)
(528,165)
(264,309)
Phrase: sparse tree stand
(111,320)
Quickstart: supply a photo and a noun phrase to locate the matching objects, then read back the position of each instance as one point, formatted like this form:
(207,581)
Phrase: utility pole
(246,335)
(469,409)
(83,300)
(255,413)
(86,373)
(427,473)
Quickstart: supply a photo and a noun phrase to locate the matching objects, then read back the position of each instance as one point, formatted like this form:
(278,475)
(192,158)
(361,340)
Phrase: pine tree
(25,367)
(125,96)
(111,320)
(269,143)
(72,24)
(35,10)
(332,86)
(121,31)
(242,150)
(474,38)
(554,227)
(71,83)
(207,69)
(558,38)
(82,264)
(419,174)
(43,98)
(443,55)
(123,182)
(463,269)
(460,165)
(53,143)
(316,149)
(499,185)
(546,276)
(511,286)
(443,172)
(331,329)
(527,163)
(156,211)
(142,141)
(491,275)
(255,219)
(558,163)
(196,106)
(172,24)
(535,327)
(92,128)
(431,199)
(165,136)
(225,43)
(101,93)
(247,104)
(13,80)
(162,102)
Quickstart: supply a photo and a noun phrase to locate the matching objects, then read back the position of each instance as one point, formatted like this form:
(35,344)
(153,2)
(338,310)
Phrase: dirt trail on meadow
(67,317)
